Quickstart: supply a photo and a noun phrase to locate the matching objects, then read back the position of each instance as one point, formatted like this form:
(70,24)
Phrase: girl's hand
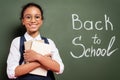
(30,55)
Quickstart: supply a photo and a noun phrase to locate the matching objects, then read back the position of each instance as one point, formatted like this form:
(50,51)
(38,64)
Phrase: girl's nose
(33,19)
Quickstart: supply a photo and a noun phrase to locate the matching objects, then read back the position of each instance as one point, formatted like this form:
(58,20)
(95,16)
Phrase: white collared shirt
(14,55)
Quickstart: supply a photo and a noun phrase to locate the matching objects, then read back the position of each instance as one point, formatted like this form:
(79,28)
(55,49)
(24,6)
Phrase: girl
(32,19)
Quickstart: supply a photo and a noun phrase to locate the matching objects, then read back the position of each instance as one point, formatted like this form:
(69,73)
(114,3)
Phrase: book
(41,48)
(28,45)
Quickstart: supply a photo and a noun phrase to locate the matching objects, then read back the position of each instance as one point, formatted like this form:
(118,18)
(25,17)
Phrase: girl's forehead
(32,10)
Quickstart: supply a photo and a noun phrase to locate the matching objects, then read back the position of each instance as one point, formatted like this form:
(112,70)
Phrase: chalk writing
(93,25)
(96,40)
(92,51)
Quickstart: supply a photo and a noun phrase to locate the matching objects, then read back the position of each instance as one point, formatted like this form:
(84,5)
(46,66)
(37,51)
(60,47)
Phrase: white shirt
(14,55)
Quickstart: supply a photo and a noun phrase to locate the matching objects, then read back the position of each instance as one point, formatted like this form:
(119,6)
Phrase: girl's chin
(32,31)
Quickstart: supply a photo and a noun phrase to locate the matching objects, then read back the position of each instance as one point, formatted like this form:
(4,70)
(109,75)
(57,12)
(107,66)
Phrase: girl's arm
(45,60)
(25,68)
(48,63)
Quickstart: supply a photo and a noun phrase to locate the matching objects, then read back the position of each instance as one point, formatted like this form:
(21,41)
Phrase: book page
(39,71)
(28,45)
(41,48)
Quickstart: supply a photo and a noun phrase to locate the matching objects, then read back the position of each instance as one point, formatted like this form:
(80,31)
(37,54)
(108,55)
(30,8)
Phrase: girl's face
(32,19)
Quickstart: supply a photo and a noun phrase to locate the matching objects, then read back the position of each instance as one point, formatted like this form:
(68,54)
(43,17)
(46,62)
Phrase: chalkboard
(86,32)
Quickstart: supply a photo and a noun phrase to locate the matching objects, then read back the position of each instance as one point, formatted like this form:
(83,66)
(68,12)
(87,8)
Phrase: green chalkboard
(86,32)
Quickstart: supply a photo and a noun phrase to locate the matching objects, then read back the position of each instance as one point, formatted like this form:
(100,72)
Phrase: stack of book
(41,48)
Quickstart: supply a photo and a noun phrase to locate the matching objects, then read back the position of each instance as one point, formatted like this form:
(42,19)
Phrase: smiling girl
(32,19)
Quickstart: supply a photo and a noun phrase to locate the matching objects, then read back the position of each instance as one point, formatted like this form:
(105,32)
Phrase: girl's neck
(33,34)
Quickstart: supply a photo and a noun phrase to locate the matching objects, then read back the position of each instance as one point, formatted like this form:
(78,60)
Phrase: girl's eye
(37,17)
(28,17)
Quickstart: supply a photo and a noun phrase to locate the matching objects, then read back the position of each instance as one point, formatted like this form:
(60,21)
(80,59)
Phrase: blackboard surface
(86,32)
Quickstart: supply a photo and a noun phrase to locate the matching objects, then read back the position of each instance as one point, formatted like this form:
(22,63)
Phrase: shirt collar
(28,37)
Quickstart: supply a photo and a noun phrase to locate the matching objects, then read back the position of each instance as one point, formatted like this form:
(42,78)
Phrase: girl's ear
(41,22)
(22,22)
